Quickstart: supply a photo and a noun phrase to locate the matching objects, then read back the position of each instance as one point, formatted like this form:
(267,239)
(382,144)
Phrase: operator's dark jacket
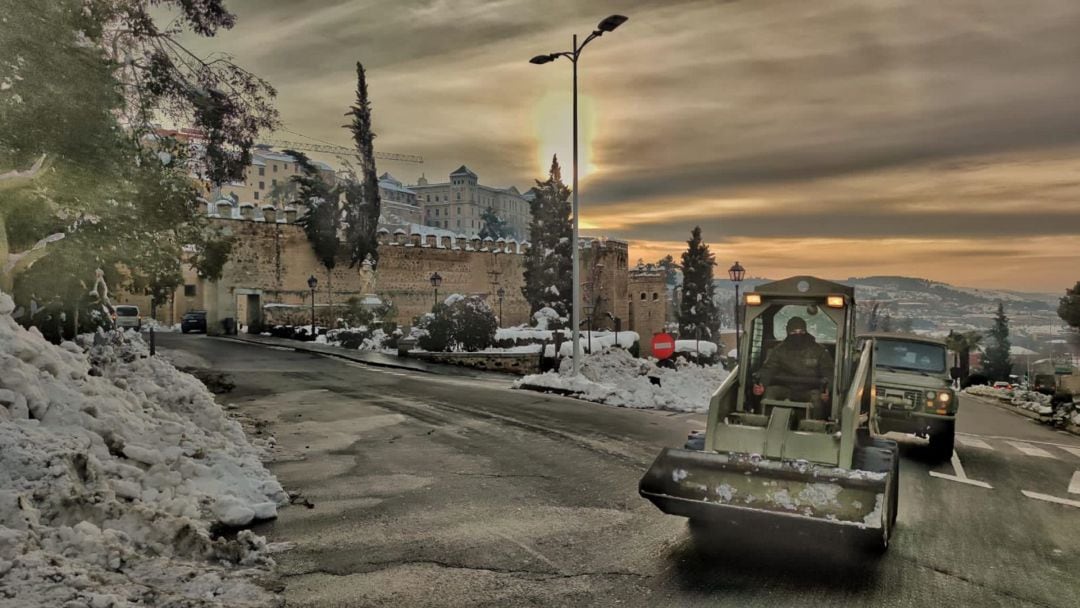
(801,363)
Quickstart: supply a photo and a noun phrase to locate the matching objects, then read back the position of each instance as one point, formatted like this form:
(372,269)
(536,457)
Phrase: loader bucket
(737,487)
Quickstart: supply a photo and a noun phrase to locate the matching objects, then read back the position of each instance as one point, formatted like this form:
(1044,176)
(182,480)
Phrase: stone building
(460,203)
(268,179)
(398,204)
(647,298)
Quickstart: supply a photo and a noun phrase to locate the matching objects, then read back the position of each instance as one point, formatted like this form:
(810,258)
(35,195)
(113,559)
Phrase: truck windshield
(918,356)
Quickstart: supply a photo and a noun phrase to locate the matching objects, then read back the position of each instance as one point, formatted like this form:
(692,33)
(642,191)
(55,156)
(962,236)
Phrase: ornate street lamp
(312,283)
(607,25)
(436,280)
(501,292)
(736,274)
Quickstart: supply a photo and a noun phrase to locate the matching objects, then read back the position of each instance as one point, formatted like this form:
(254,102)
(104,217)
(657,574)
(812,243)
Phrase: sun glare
(553,129)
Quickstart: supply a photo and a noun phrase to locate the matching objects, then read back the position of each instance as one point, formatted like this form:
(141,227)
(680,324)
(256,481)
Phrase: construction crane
(340,151)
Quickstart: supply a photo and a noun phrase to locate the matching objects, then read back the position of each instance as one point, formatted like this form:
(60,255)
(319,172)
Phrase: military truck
(805,463)
(914,389)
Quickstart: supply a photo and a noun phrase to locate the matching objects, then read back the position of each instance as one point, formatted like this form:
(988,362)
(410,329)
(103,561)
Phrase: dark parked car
(194,320)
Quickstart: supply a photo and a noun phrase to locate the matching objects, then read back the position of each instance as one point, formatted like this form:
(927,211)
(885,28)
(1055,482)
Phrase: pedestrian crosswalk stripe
(974,442)
(1074,484)
(1030,450)
(1053,499)
(1073,451)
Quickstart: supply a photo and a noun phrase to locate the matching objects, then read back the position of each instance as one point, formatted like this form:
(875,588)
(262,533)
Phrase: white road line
(974,442)
(970,482)
(1073,451)
(1074,484)
(1030,450)
(960,476)
(1053,499)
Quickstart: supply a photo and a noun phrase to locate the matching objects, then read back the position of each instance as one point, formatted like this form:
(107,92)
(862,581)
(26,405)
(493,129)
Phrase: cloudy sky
(835,137)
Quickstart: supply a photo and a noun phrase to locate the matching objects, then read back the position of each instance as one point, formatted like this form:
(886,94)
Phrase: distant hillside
(935,305)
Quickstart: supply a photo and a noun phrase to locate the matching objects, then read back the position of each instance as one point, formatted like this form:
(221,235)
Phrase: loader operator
(798,369)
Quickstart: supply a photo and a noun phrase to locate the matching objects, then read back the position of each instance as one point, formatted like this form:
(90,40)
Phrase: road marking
(1053,499)
(1073,451)
(974,442)
(960,476)
(1027,441)
(1030,450)
(1074,484)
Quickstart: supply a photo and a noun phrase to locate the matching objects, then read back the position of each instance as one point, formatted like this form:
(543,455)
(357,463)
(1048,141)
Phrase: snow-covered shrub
(459,323)
(548,318)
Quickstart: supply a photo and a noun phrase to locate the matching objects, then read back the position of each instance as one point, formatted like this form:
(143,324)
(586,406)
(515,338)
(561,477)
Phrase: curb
(565,392)
(342,355)
(1042,418)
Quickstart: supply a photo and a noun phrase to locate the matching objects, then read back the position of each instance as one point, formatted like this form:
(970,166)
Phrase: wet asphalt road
(448,491)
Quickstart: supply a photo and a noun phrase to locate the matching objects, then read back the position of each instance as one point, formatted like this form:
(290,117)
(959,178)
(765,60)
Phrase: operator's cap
(795,323)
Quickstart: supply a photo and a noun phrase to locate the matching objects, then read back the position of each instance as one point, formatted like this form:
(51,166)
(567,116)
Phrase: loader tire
(942,442)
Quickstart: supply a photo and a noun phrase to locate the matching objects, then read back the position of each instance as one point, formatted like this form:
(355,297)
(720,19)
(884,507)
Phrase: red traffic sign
(663,346)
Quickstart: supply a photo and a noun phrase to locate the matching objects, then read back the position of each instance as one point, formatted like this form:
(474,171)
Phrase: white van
(127,317)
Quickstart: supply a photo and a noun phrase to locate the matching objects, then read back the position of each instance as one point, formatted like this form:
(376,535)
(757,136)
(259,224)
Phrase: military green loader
(788,454)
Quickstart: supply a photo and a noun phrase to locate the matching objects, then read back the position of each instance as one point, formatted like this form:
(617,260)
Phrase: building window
(436,213)
(459,210)
(428,197)
(644,295)
(189,291)
(459,196)
(274,165)
(262,185)
(655,296)
(262,170)
(273,182)
(256,195)
(459,223)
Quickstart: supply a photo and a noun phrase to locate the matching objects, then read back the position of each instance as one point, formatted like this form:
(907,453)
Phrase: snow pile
(614,377)
(597,340)
(707,349)
(149,324)
(114,467)
(982,390)
(1028,400)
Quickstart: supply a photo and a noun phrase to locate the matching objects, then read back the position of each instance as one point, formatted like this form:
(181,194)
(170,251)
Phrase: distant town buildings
(460,203)
(268,179)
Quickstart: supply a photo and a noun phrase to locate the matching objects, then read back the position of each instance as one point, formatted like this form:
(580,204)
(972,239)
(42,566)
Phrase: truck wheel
(942,441)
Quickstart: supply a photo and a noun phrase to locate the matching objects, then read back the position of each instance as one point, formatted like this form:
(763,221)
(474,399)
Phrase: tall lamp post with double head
(436,280)
(312,283)
(736,274)
(607,25)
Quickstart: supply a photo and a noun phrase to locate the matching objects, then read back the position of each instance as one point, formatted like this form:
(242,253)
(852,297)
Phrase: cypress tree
(362,204)
(698,315)
(996,363)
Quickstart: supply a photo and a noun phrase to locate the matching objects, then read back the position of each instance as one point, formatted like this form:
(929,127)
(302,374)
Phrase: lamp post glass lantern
(736,274)
(607,25)
(312,283)
(436,281)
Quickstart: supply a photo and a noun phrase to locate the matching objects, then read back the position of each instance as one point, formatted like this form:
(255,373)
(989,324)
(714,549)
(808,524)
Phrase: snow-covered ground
(616,378)
(114,470)
(1028,400)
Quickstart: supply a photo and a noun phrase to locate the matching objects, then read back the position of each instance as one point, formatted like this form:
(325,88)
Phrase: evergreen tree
(1069,306)
(549,261)
(494,226)
(698,316)
(362,204)
(322,220)
(671,274)
(996,364)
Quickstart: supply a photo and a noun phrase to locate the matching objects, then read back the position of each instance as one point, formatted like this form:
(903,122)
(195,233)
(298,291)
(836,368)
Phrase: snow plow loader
(787,439)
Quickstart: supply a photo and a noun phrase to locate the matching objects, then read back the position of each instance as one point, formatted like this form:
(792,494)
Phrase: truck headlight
(944,397)
(930,394)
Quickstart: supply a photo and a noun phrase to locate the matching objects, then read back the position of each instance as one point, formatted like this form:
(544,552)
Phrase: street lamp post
(607,25)
(436,280)
(312,283)
(588,316)
(501,292)
(736,274)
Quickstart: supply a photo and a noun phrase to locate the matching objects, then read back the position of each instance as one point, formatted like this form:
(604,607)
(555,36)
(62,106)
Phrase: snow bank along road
(441,491)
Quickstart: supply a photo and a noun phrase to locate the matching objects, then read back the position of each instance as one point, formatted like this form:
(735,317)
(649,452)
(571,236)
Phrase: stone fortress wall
(265,279)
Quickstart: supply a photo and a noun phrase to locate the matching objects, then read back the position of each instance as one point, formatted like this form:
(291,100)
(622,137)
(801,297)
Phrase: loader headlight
(753,299)
(834,301)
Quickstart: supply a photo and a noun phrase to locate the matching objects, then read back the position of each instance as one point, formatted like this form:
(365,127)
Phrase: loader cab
(826,308)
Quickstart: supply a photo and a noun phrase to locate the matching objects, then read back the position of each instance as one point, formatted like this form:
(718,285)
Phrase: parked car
(1002,385)
(127,317)
(194,320)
